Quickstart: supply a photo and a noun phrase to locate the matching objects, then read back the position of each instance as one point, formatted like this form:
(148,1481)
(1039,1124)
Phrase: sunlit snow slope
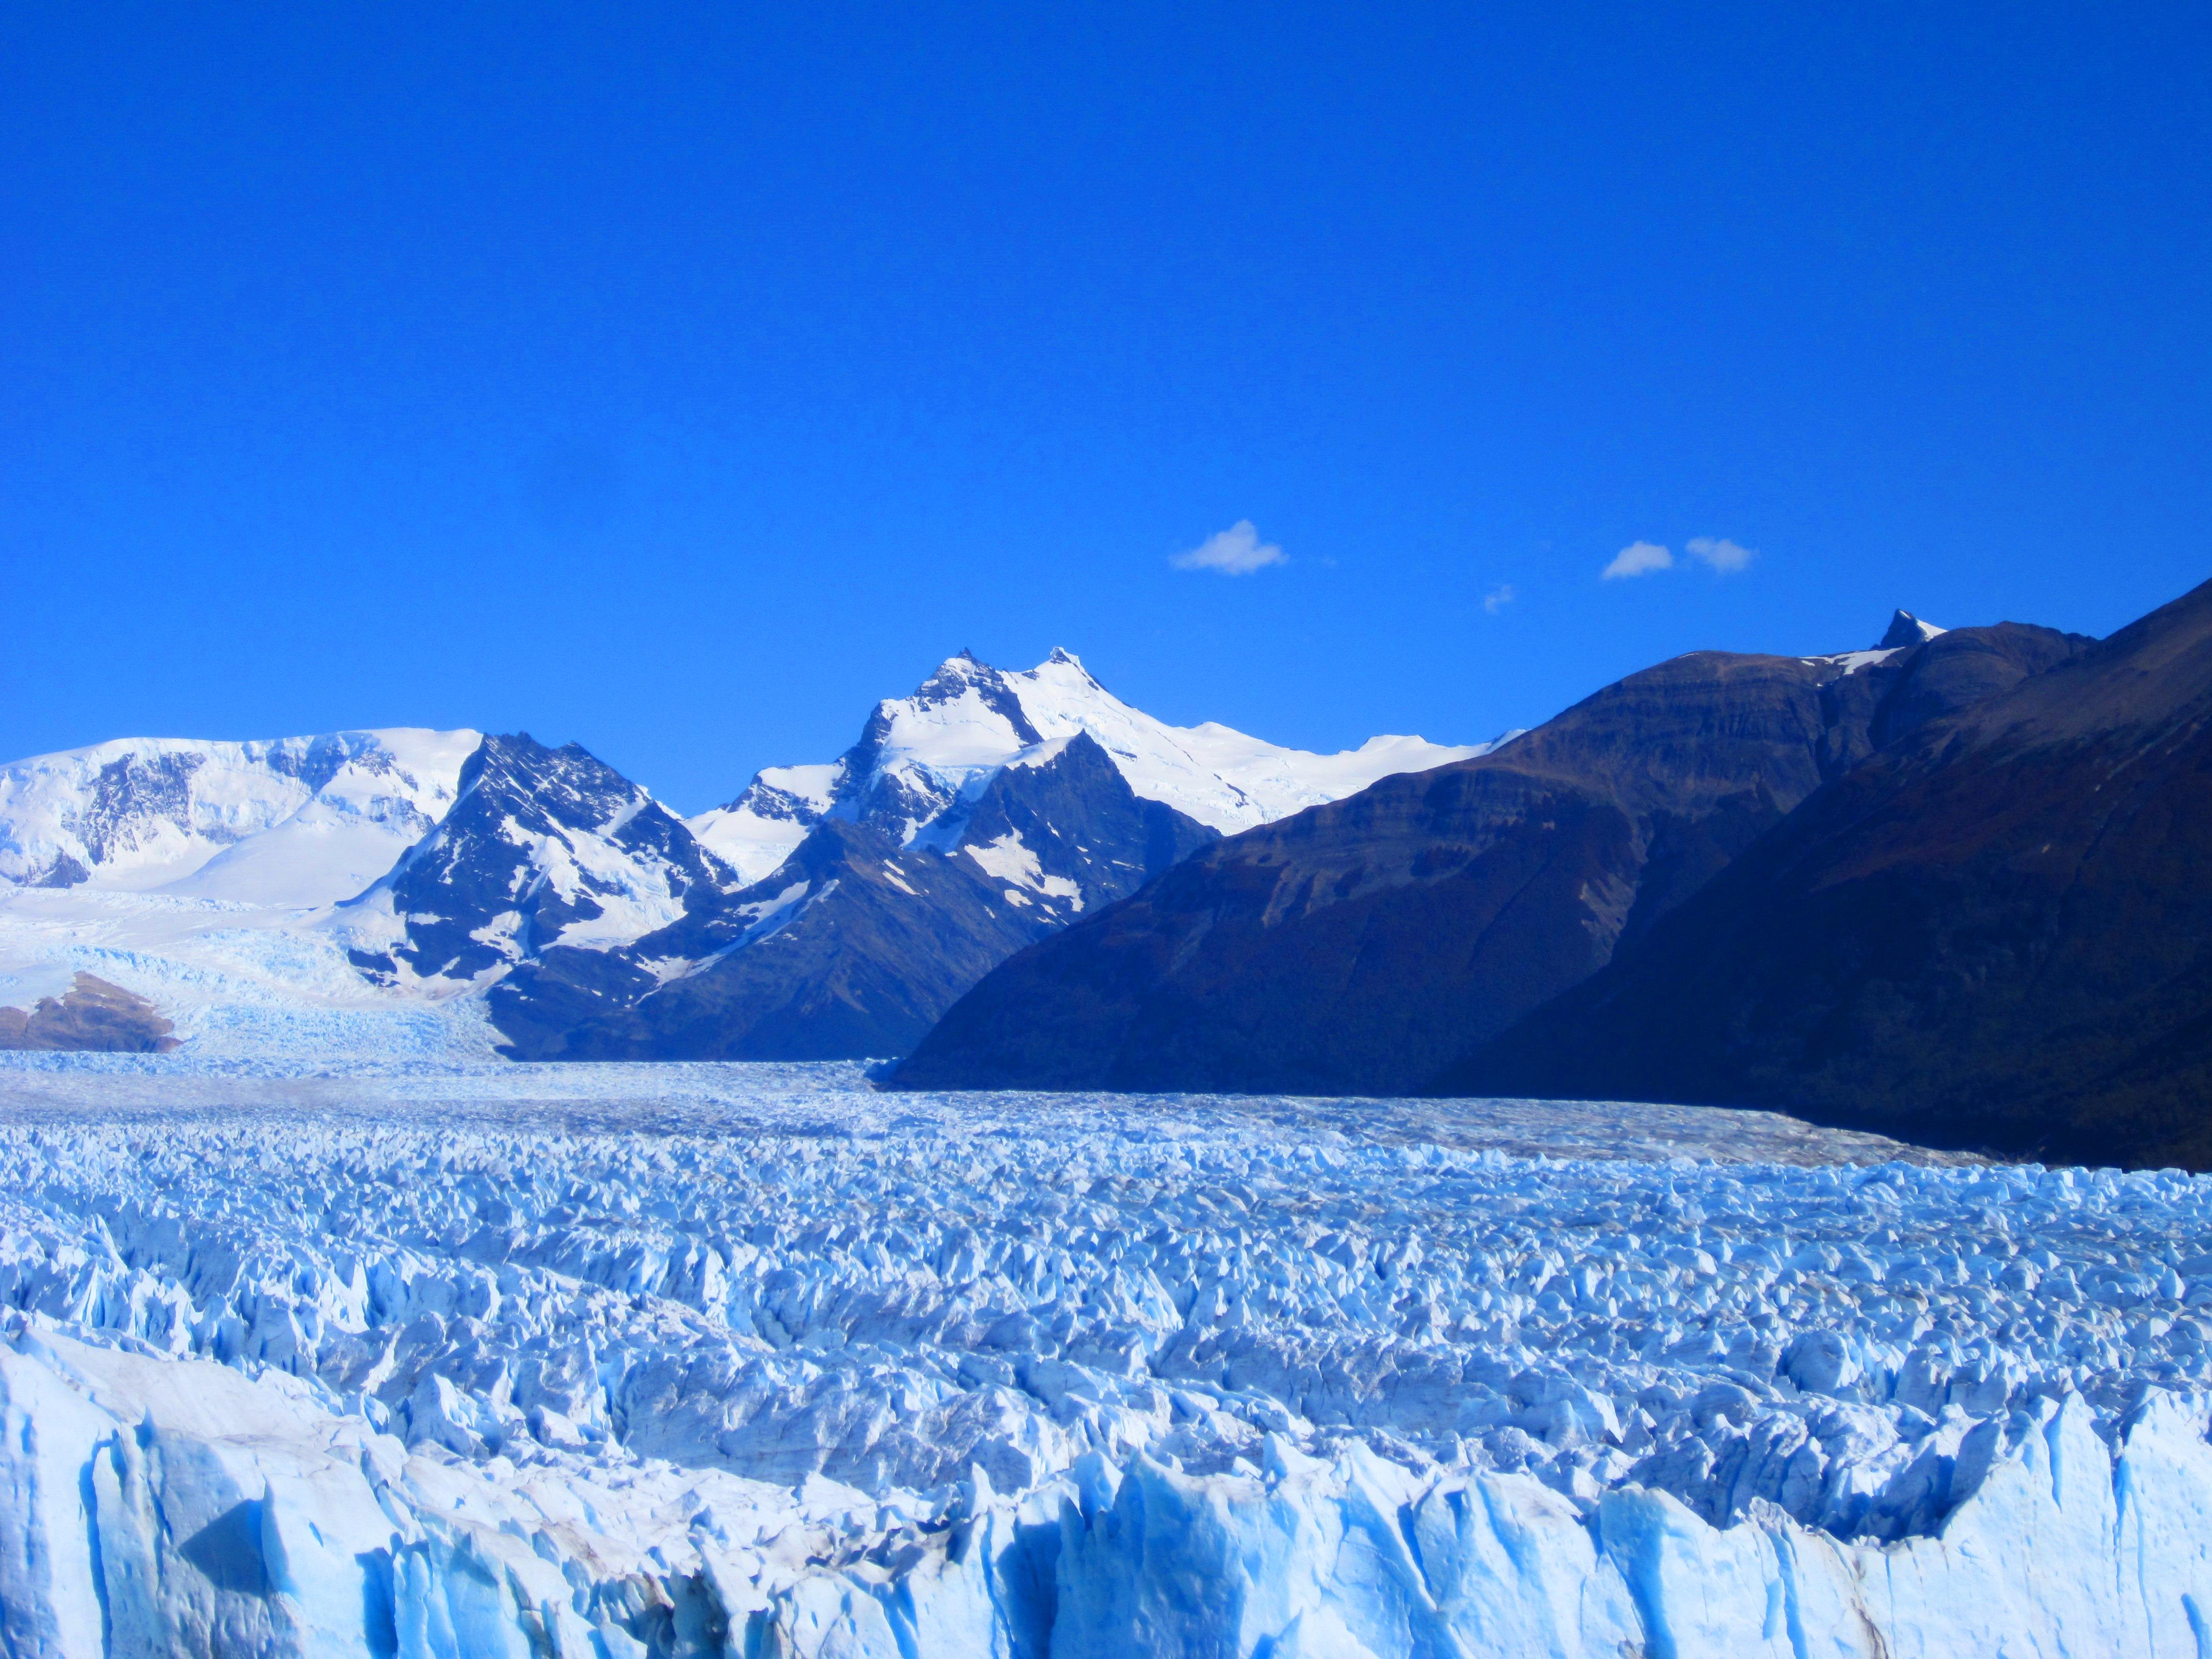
(296,822)
(748,1360)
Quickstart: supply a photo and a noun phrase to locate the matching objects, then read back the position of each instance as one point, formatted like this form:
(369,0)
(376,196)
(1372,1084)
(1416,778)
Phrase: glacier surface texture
(444,1358)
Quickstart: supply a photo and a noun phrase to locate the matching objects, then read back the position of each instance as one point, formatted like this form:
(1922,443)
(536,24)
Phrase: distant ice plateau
(423,1356)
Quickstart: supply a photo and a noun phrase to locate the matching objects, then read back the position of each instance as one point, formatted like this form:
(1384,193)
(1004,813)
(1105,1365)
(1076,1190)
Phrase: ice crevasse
(1023,1379)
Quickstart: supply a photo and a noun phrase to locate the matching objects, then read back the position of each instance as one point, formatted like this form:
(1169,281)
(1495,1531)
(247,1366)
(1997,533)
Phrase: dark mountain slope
(856,945)
(1997,931)
(1360,947)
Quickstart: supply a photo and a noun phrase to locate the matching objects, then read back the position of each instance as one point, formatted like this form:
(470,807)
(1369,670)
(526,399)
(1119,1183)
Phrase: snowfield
(424,1357)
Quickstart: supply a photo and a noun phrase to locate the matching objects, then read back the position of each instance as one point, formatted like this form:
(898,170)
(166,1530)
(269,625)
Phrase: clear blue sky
(680,379)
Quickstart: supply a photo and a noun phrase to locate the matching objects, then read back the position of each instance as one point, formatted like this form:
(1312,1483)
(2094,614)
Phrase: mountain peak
(1061,654)
(1905,628)
(962,669)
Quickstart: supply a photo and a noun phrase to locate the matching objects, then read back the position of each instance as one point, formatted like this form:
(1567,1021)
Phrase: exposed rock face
(1996,931)
(1360,947)
(91,1016)
(857,944)
(64,872)
(543,845)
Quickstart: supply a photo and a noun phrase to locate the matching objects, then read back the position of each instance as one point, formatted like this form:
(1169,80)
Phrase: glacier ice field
(451,1357)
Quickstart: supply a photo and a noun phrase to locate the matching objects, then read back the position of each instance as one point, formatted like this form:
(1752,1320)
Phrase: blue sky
(681,379)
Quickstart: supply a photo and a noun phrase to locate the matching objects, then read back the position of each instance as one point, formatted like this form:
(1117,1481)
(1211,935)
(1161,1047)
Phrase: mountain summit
(1906,630)
(918,754)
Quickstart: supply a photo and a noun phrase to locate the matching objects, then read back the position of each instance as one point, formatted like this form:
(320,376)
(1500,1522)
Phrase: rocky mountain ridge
(858,943)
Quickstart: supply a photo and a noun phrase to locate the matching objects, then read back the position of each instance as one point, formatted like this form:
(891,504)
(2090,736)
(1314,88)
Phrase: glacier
(423,1356)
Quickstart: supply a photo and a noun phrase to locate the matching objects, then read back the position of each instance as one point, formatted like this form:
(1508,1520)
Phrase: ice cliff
(748,1360)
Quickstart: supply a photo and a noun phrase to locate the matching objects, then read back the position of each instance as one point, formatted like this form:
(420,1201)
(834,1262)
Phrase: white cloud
(1638,559)
(1235,551)
(1720,552)
(1499,597)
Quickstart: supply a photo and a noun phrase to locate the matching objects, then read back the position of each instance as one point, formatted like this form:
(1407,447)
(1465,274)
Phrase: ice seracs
(719,1360)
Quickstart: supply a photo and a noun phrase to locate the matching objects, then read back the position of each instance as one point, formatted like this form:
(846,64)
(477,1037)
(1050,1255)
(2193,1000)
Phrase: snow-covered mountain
(399,877)
(973,817)
(293,822)
(856,943)
(1367,946)
(920,756)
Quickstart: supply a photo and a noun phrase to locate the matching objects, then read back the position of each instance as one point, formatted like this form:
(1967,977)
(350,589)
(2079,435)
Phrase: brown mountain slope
(91,1016)
(1359,946)
(1997,931)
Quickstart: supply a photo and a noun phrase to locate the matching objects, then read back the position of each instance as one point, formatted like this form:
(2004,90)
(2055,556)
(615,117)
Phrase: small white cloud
(1499,597)
(1638,559)
(1235,551)
(1720,552)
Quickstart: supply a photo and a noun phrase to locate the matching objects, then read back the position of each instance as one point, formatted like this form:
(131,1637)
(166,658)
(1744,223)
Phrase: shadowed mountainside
(856,943)
(1997,931)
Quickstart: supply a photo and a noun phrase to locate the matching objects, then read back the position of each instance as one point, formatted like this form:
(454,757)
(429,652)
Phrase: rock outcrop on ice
(784,1366)
(91,1017)
(1365,946)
